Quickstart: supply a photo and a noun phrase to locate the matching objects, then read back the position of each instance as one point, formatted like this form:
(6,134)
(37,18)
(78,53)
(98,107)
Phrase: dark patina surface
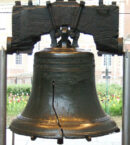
(75,99)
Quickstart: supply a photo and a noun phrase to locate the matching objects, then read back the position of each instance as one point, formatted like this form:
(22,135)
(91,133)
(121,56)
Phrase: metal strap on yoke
(77,17)
(49,6)
(52,33)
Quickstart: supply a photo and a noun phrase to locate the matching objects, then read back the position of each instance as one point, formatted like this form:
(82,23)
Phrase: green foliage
(112,103)
(19,90)
(16,104)
(17,97)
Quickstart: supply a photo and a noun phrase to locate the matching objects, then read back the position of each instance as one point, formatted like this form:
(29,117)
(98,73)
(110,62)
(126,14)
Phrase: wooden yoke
(30,22)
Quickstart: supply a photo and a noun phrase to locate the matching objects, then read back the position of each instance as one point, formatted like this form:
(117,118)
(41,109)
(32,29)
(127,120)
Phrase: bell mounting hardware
(30,22)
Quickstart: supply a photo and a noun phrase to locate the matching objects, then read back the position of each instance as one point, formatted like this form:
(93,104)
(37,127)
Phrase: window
(106,77)
(18,58)
(107,60)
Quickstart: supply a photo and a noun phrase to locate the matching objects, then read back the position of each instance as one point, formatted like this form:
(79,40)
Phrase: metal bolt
(82,3)
(114,3)
(17,3)
(48,3)
(30,3)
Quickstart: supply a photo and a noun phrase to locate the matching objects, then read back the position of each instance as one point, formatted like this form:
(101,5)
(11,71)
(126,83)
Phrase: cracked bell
(64,101)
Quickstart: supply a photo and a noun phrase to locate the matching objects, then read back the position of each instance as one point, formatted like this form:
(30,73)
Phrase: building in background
(20,66)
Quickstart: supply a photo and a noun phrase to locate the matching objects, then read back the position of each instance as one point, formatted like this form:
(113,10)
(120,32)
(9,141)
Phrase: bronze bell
(64,100)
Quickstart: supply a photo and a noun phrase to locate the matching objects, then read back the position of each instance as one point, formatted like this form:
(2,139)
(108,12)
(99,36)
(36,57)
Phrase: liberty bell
(64,101)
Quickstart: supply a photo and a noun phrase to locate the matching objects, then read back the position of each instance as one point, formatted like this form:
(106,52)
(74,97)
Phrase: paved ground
(112,139)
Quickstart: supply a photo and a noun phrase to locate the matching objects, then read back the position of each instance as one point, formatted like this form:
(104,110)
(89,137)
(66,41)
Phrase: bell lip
(73,134)
(68,136)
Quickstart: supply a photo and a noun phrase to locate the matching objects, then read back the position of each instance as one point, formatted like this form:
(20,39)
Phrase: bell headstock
(30,22)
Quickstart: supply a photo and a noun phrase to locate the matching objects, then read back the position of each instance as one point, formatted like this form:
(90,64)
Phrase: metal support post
(3,97)
(126,101)
(13,138)
(107,83)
